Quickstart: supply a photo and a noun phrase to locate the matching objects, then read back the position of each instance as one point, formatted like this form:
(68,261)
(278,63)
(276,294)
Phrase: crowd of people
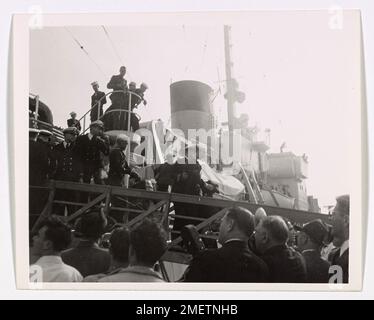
(250,248)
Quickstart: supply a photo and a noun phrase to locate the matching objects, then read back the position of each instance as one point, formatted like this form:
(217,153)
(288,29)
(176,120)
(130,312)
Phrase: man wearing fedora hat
(310,241)
(90,147)
(98,100)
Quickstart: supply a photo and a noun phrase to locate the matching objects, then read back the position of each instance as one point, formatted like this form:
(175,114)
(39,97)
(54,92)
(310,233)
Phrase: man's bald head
(277,228)
(270,232)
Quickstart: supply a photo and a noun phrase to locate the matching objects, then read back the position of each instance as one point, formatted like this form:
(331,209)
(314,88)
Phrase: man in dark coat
(66,160)
(118,168)
(118,83)
(90,147)
(233,262)
(166,174)
(188,182)
(310,241)
(66,166)
(340,232)
(140,92)
(285,264)
(98,100)
(341,260)
(118,165)
(87,257)
(115,120)
(73,122)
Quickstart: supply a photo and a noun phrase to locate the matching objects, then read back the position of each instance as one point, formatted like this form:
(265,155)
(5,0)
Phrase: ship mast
(230,82)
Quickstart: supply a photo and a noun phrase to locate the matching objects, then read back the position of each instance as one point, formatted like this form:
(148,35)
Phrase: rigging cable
(85,51)
(217,92)
(115,49)
(113,46)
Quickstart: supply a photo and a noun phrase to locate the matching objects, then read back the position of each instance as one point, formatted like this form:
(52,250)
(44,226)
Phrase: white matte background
(7,280)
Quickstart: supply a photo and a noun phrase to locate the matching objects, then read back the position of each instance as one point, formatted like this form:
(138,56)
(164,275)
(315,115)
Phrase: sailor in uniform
(98,100)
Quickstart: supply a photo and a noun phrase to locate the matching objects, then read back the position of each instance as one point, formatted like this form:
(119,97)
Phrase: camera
(192,241)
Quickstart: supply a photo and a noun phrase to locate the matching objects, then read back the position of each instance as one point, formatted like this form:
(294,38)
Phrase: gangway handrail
(118,110)
(98,103)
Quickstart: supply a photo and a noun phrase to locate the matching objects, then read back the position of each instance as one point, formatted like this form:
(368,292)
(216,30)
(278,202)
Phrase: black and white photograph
(189,150)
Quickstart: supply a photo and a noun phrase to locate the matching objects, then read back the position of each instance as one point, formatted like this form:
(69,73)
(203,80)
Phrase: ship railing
(99,103)
(156,204)
(38,124)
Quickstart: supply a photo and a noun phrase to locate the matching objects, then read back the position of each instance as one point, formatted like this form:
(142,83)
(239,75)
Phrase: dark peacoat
(317,268)
(285,264)
(233,262)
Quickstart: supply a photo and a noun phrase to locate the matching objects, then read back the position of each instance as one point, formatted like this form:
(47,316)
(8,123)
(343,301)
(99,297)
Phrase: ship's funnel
(191,106)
